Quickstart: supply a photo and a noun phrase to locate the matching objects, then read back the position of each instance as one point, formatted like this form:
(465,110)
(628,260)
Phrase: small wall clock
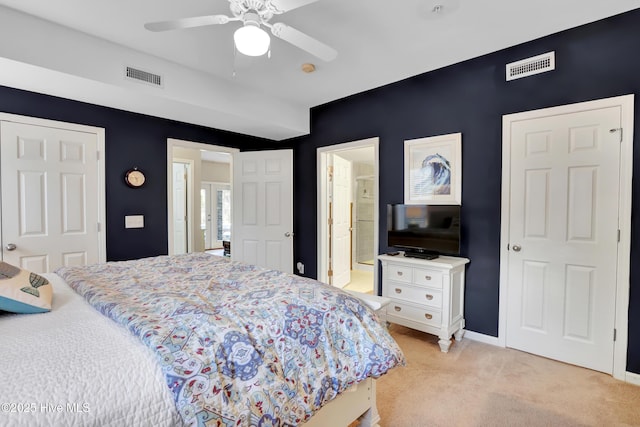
(134,178)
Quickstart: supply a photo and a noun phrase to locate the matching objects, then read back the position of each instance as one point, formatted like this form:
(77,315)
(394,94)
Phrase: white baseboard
(487,339)
(632,378)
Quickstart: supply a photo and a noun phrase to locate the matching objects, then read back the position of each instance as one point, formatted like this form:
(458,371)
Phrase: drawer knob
(397,308)
(428,316)
(398,291)
(427,277)
(429,297)
(399,273)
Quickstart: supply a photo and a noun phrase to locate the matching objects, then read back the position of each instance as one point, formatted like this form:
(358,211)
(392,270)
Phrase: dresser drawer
(424,277)
(399,273)
(400,291)
(425,315)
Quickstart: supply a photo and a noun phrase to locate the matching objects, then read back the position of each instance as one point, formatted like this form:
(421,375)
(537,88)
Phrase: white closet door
(50,208)
(564,236)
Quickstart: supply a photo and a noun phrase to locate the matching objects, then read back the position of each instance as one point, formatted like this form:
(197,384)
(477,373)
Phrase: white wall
(215,172)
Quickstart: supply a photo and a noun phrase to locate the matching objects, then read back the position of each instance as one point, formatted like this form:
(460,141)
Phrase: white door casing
(565,195)
(341,214)
(52,193)
(322,163)
(262,226)
(194,146)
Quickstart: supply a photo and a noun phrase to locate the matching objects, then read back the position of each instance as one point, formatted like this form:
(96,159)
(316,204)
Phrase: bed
(192,340)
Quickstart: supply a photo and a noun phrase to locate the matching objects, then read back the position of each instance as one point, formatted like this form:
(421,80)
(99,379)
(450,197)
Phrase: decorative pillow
(22,291)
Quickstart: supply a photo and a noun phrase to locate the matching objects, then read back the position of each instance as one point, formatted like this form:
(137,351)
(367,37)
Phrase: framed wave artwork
(433,170)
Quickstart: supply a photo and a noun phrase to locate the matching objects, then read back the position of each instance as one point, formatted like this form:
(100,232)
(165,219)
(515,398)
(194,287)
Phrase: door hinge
(330,221)
(330,273)
(620,130)
(615,334)
(618,235)
(98,155)
(99,227)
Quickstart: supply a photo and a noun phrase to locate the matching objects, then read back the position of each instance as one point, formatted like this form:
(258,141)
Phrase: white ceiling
(78,49)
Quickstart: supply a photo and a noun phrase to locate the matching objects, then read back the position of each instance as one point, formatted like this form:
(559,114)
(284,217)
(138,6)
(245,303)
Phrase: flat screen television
(424,231)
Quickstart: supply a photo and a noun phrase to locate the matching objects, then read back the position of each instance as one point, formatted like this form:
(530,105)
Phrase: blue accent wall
(130,140)
(598,60)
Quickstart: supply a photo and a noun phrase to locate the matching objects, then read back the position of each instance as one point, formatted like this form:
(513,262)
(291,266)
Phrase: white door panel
(263,209)
(180,208)
(564,229)
(341,214)
(50,207)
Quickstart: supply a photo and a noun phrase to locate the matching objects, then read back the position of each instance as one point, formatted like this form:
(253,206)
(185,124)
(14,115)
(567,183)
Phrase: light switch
(134,221)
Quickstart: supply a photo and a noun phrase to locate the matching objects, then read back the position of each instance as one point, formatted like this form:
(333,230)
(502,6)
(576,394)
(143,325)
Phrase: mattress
(74,366)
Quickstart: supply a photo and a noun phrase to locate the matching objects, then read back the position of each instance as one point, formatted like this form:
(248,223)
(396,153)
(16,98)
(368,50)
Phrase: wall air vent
(143,76)
(530,66)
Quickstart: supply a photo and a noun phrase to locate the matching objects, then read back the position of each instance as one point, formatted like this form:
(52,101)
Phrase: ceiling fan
(251,39)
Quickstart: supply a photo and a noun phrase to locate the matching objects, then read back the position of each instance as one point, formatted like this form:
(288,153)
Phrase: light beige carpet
(478,384)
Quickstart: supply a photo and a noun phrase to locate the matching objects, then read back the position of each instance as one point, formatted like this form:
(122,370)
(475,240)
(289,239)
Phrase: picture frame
(433,170)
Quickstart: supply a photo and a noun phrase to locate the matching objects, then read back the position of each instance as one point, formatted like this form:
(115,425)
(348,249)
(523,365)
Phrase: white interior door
(50,197)
(563,236)
(341,228)
(180,208)
(262,232)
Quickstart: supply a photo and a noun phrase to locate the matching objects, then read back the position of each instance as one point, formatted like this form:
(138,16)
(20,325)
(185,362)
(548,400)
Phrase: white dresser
(427,295)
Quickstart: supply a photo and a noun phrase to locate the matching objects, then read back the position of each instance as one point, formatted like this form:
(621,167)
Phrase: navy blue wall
(598,60)
(130,140)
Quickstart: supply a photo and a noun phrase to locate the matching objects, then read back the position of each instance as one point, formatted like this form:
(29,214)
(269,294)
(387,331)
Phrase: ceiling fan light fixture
(251,40)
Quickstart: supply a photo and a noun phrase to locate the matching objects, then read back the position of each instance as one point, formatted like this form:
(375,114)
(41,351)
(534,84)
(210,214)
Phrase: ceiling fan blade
(304,42)
(282,6)
(197,21)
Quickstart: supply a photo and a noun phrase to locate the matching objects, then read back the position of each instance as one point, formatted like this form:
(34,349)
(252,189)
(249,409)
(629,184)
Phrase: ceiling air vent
(530,66)
(143,76)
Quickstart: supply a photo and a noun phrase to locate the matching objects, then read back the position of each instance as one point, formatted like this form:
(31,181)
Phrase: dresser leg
(458,334)
(444,345)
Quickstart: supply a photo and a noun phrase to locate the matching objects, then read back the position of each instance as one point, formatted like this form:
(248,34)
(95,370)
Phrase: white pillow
(22,291)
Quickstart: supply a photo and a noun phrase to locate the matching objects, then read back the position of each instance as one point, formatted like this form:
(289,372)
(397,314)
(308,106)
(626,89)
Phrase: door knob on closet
(516,248)
(288,234)
(11,247)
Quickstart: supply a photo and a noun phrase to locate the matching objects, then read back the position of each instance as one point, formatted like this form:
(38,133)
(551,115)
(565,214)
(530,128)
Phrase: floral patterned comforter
(239,344)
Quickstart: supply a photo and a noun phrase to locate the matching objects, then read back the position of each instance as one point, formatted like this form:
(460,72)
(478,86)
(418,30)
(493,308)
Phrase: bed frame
(357,403)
